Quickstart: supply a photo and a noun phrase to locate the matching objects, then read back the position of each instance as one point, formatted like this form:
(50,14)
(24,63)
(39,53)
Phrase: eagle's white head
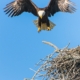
(41,13)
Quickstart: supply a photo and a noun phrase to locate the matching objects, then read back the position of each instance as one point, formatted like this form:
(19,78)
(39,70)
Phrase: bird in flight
(17,7)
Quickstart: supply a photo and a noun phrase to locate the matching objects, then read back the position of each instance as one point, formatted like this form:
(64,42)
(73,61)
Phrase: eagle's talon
(48,28)
(39,29)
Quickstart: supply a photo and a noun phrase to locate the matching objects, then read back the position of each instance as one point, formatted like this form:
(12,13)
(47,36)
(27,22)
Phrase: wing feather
(17,7)
(59,5)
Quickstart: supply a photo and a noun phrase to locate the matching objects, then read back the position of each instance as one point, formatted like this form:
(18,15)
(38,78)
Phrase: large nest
(65,66)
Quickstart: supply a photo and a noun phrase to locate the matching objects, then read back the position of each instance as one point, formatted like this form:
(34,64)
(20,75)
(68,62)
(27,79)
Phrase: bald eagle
(17,7)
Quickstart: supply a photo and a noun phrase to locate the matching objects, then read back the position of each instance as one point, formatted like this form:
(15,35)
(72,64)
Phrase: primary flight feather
(17,7)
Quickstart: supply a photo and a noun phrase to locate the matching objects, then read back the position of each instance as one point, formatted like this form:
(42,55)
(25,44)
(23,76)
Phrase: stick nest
(65,66)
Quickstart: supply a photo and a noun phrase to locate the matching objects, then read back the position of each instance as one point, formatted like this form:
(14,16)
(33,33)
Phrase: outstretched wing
(59,5)
(16,7)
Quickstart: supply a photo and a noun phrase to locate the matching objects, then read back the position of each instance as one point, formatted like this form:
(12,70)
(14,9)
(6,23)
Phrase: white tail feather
(43,25)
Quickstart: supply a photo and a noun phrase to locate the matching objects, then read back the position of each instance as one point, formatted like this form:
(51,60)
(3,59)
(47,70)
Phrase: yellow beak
(41,17)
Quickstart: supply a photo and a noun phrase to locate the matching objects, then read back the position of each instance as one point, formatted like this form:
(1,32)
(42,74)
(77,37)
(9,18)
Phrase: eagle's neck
(41,13)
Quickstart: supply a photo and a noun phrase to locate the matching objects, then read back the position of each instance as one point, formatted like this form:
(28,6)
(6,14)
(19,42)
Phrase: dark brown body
(43,20)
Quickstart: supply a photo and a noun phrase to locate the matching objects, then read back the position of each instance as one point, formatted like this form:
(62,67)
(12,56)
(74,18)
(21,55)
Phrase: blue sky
(21,45)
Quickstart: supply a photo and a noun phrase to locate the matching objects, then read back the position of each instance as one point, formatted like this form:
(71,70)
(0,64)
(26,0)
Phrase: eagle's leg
(39,25)
(48,25)
(48,28)
(39,28)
